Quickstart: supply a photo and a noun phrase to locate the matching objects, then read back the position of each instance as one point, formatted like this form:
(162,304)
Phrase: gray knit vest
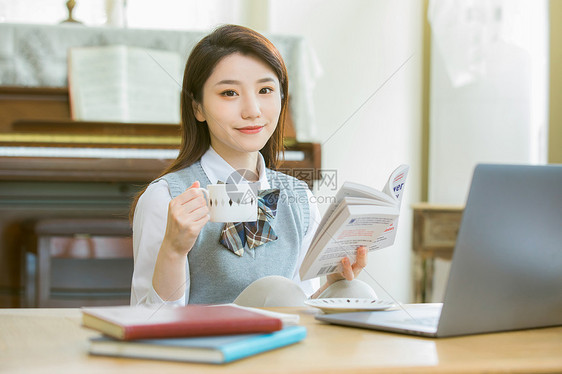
(216,275)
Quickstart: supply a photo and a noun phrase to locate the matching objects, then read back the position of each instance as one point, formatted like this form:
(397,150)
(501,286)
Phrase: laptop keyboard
(425,321)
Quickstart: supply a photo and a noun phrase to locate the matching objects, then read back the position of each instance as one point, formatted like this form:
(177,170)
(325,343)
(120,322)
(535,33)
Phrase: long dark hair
(222,42)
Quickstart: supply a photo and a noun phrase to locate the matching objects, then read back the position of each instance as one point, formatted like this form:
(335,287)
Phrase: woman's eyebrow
(232,81)
(264,80)
(227,81)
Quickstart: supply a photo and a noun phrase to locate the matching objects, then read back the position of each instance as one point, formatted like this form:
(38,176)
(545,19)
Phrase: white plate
(340,305)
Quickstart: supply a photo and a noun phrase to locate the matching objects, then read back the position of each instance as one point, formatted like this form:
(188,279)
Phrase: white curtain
(489,89)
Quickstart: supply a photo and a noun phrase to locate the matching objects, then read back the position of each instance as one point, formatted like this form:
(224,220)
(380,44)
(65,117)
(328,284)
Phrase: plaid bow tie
(235,234)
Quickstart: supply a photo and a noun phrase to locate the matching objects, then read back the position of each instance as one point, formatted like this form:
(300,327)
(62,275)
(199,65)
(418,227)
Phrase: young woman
(233,103)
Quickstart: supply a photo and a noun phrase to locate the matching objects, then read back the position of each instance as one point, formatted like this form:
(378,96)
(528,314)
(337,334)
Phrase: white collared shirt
(149,227)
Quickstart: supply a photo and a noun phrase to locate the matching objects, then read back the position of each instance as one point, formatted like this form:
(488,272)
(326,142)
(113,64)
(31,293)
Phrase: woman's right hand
(187,214)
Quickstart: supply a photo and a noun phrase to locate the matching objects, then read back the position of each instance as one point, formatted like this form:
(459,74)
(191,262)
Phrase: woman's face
(241,104)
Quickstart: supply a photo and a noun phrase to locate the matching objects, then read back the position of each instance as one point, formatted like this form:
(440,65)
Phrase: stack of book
(193,333)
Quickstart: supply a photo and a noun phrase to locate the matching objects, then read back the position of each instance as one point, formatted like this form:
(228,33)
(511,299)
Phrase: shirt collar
(217,168)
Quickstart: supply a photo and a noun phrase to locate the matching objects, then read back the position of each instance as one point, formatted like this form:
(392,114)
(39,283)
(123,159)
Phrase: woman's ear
(198,111)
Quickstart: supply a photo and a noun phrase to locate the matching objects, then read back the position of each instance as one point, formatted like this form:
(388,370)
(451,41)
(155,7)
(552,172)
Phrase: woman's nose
(251,107)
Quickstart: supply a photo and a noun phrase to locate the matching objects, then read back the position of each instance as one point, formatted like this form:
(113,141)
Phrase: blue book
(209,349)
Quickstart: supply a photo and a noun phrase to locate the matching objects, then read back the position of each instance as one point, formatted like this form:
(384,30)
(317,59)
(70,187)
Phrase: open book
(124,84)
(360,215)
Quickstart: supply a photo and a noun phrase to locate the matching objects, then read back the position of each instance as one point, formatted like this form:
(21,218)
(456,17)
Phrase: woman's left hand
(349,271)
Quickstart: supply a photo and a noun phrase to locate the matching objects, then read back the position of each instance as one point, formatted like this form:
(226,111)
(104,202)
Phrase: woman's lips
(250,129)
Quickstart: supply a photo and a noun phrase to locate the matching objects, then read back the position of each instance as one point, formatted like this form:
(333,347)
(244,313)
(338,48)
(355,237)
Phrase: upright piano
(54,168)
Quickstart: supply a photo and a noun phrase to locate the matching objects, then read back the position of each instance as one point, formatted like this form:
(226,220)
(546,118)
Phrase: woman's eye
(266,90)
(229,93)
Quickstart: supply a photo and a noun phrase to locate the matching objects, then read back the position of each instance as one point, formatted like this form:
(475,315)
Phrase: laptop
(506,271)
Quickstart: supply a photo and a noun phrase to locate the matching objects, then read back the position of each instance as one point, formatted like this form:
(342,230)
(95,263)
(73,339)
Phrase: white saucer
(341,305)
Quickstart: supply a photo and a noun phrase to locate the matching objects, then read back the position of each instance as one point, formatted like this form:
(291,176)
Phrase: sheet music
(124,84)
(153,86)
(96,84)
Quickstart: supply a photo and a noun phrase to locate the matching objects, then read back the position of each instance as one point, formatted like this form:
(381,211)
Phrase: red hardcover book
(138,322)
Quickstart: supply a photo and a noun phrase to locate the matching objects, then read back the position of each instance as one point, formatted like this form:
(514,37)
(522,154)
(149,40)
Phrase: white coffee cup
(231,202)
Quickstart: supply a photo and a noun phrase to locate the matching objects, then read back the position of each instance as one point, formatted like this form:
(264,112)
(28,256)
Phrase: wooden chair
(78,262)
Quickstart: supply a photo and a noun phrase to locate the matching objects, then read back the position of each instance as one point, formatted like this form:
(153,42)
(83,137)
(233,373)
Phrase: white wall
(498,113)
(360,44)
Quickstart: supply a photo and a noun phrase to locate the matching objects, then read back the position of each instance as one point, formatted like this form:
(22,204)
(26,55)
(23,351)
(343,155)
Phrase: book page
(332,214)
(124,84)
(153,86)
(395,185)
(357,225)
(338,235)
(96,82)
(329,217)
(351,189)
(365,201)
(287,318)
(356,190)
(386,239)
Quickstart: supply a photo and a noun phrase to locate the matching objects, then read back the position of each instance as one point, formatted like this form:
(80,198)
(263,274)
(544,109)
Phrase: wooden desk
(52,341)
